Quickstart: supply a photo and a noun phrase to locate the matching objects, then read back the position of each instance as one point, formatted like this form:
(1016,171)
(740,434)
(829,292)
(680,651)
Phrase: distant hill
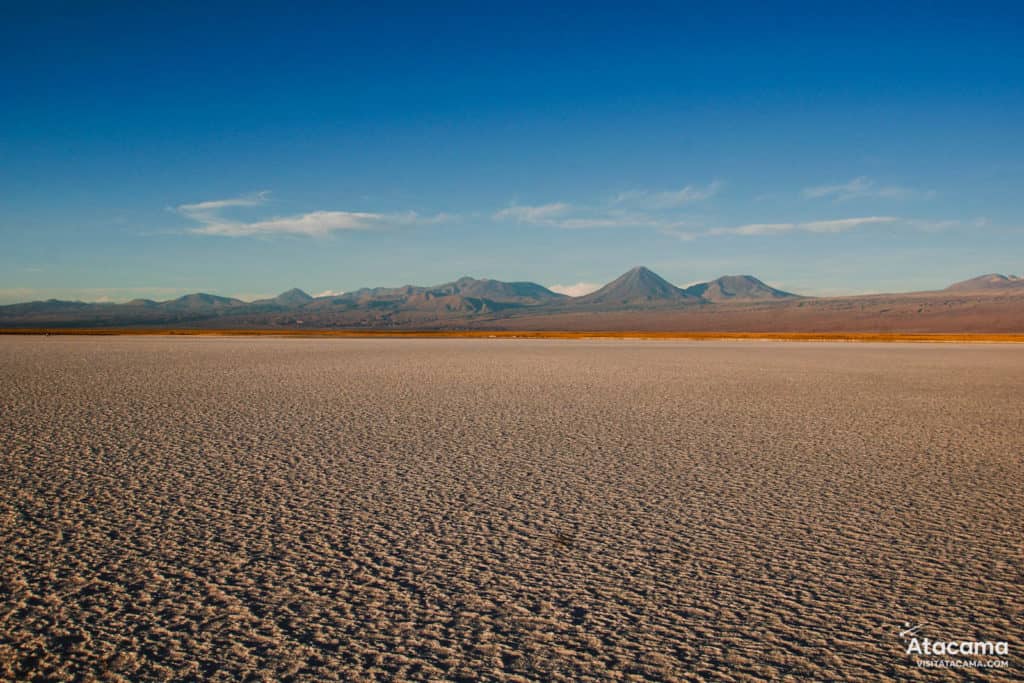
(737,288)
(291,298)
(410,304)
(495,290)
(201,301)
(992,281)
(638,286)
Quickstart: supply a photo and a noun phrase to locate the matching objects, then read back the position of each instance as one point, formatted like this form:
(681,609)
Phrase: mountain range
(638,299)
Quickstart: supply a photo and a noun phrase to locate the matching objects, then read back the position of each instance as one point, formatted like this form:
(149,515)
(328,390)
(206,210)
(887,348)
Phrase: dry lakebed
(506,509)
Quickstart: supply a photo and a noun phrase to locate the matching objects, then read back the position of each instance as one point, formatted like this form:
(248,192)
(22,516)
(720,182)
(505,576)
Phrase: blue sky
(247,149)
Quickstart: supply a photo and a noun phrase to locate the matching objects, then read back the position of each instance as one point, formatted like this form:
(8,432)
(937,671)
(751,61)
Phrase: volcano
(639,286)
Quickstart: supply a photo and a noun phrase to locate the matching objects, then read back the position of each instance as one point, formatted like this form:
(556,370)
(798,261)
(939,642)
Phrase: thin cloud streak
(864,187)
(668,199)
(767,229)
(844,224)
(314,224)
(200,208)
(754,229)
(567,217)
(632,209)
(311,224)
(532,214)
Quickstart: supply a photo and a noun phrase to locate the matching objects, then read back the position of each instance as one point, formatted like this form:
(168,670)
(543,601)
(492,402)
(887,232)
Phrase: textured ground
(936,312)
(259,509)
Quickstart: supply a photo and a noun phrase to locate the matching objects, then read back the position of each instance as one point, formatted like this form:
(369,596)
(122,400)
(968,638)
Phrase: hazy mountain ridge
(989,282)
(465,287)
(293,297)
(202,301)
(737,288)
(471,302)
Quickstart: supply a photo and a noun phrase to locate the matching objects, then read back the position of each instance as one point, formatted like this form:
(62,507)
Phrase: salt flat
(258,509)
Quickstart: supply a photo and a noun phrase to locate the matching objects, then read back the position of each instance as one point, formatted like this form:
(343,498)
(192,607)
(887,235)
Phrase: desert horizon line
(526,334)
(561,290)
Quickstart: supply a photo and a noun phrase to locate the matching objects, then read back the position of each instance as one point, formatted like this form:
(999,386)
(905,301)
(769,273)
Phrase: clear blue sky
(246,149)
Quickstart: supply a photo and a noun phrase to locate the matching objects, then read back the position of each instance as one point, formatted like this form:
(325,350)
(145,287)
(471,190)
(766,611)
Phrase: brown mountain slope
(990,282)
(737,288)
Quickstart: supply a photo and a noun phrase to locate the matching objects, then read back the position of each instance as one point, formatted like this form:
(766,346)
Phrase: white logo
(950,654)
(911,631)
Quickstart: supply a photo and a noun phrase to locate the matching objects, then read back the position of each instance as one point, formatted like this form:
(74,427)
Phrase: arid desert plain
(474,509)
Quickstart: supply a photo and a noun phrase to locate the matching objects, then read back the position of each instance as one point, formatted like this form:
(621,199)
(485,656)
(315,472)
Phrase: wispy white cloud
(761,229)
(558,215)
(210,207)
(683,234)
(210,214)
(328,292)
(844,224)
(667,199)
(313,224)
(570,217)
(754,229)
(941,225)
(621,221)
(863,187)
(578,289)
(632,209)
(532,214)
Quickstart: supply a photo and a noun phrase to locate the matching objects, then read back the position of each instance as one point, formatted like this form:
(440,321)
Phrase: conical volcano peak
(642,272)
(293,296)
(637,286)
